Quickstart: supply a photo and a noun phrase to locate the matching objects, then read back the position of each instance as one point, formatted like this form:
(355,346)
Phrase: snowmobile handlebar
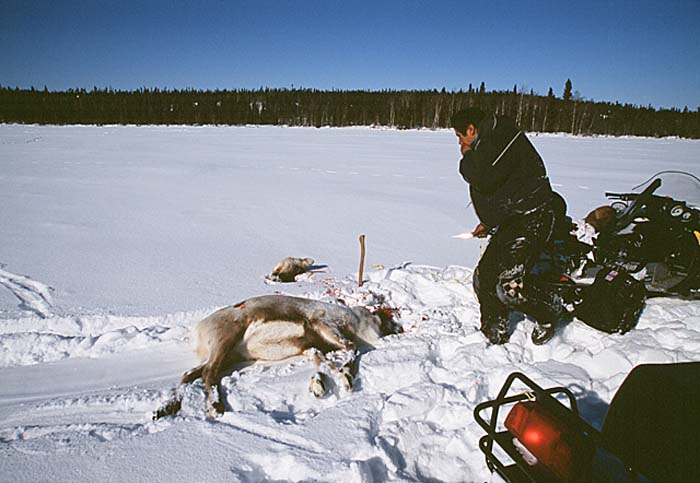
(637,204)
(621,196)
(632,196)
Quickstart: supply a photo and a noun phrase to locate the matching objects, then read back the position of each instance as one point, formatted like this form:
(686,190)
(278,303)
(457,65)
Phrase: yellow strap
(697,235)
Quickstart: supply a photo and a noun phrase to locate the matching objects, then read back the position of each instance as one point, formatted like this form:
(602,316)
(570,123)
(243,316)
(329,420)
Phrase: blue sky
(641,52)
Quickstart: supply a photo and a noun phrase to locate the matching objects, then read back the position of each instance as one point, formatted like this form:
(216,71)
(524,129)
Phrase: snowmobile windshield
(679,185)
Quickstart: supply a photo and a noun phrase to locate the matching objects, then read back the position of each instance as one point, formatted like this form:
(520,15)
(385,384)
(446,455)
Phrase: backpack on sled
(613,302)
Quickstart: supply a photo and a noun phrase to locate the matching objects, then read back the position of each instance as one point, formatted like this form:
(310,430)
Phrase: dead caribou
(275,327)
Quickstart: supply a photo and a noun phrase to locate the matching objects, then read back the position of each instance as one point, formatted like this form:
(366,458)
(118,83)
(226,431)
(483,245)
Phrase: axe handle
(362,260)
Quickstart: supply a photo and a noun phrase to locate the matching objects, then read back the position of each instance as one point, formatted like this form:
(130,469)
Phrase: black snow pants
(500,280)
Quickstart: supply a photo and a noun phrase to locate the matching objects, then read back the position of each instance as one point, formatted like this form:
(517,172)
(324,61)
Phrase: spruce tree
(567,90)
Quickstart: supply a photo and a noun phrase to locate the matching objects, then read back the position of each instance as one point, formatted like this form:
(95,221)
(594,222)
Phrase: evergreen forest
(403,109)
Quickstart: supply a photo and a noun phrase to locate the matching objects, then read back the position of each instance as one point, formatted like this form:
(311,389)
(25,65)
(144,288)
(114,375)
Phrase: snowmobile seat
(653,421)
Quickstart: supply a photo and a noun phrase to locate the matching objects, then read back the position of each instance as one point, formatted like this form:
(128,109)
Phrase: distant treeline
(310,107)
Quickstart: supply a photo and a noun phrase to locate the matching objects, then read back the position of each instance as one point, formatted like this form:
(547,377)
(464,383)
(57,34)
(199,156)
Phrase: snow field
(117,240)
(409,418)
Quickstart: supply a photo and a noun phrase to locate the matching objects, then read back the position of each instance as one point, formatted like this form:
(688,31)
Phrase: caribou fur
(287,269)
(275,327)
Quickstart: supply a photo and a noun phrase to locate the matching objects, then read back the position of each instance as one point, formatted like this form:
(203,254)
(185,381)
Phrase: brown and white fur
(275,327)
(287,269)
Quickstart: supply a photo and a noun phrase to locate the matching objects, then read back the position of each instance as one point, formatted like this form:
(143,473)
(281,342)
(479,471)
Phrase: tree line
(403,109)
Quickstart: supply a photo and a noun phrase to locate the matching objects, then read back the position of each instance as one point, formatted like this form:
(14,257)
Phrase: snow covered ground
(116,240)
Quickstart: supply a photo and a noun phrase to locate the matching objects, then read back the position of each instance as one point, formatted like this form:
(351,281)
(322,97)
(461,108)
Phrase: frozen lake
(114,241)
(151,220)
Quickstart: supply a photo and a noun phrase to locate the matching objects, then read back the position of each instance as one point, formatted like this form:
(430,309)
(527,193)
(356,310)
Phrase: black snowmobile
(658,232)
(648,246)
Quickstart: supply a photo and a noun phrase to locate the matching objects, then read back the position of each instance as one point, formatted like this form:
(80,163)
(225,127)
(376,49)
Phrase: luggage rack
(520,470)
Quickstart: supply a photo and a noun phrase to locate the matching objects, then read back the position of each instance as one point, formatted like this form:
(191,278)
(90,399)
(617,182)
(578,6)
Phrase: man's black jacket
(505,173)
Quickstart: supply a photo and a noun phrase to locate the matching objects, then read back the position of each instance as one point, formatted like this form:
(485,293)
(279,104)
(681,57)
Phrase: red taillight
(555,447)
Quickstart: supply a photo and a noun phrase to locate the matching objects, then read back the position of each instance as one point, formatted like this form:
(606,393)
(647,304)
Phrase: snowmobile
(649,245)
(657,234)
(649,433)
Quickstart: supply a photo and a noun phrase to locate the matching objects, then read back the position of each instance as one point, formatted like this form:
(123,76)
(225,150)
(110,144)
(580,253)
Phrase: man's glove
(480,231)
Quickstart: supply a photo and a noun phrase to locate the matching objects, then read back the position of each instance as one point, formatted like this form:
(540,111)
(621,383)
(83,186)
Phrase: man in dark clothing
(514,201)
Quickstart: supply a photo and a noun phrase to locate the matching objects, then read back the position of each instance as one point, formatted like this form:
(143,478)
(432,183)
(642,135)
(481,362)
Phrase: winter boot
(543,333)
(496,330)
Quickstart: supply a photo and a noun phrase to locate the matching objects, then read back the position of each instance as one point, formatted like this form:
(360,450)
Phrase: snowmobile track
(35,296)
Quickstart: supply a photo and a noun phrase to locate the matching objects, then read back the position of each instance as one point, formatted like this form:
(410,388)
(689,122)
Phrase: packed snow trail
(31,341)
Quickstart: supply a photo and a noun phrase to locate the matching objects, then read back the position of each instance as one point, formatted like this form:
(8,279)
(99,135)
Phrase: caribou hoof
(169,408)
(215,403)
(346,378)
(317,387)
(216,409)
